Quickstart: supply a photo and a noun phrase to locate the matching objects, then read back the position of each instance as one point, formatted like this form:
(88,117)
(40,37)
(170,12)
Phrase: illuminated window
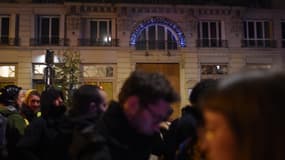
(7,74)
(214,71)
(102,75)
(7,71)
(98,71)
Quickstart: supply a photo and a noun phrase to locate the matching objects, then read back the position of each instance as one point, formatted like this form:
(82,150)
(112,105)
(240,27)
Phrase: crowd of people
(239,117)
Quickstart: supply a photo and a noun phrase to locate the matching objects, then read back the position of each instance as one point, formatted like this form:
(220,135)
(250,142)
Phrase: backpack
(3,141)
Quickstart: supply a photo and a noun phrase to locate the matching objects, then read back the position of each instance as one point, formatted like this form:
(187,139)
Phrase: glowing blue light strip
(157,20)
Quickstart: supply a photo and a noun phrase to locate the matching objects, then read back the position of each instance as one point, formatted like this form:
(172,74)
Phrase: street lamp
(49,72)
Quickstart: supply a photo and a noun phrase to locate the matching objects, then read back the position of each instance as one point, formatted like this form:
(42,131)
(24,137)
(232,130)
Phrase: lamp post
(49,72)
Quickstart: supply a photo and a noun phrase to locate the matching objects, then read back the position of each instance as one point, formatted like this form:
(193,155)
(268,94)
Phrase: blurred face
(219,140)
(104,105)
(147,119)
(58,102)
(34,102)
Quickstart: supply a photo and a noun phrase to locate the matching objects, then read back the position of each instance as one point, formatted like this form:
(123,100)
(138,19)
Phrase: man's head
(146,99)
(87,99)
(9,95)
(52,103)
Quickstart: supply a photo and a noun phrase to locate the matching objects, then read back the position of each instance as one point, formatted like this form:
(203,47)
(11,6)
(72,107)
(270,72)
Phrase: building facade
(187,43)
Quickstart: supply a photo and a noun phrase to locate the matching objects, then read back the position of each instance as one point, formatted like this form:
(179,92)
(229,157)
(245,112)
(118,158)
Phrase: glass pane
(213,30)
(267,30)
(93,30)
(141,41)
(7,71)
(151,34)
(39,69)
(205,33)
(161,37)
(251,30)
(283,30)
(103,31)
(245,30)
(259,31)
(171,42)
(44,34)
(98,71)
(55,31)
(5,30)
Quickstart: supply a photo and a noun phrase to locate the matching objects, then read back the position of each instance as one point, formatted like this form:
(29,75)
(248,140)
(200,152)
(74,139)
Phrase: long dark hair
(253,103)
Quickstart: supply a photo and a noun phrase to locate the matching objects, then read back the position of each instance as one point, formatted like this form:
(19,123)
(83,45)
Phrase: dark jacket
(112,138)
(28,113)
(15,128)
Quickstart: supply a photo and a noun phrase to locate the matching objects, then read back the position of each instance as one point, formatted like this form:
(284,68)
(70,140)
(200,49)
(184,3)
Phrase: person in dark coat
(31,106)
(182,136)
(42,139)
(127,129)
(15,125)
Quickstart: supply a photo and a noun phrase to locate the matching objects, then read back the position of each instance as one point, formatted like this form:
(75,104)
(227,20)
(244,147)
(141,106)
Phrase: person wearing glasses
(129,127)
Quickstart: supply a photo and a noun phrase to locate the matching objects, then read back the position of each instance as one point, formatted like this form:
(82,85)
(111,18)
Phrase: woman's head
(246,112)
(32,99)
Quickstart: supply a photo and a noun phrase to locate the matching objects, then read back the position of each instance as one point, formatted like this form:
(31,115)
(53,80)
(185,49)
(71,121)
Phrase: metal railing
(211,43)
(98,43)
(258,43)
(156,45)
(9,41)
(51,41)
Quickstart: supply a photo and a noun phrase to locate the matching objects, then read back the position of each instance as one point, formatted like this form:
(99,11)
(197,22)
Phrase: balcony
(53,41)
(5,41)
(211,43)
(156,45)
(98,43)
(253,43)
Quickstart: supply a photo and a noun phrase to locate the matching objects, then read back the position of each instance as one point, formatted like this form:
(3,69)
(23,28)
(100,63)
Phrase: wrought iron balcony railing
(252,43)
(211,43)
(9,41)
(156,45)
(98,43)
(51,41)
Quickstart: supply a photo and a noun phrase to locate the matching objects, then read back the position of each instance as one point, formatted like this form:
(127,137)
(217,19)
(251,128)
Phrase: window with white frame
(4,29)
(47,30)
(101,30)
(7,74)
(213,70)
(96,32)
(157,37)
(283,33)
(210,34)
(258,33)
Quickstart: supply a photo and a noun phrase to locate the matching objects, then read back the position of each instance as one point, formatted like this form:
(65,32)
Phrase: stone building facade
(185,42)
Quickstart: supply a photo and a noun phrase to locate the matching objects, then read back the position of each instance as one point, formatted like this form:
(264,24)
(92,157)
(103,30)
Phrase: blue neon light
(157,20)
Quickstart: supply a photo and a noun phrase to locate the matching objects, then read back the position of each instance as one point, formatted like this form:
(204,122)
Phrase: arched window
(157,33)
(158,37)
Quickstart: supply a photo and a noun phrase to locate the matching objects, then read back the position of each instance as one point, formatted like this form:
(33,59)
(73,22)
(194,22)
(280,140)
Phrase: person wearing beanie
(15,125)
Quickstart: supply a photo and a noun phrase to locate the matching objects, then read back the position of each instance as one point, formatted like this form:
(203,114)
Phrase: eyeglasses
(158,117)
